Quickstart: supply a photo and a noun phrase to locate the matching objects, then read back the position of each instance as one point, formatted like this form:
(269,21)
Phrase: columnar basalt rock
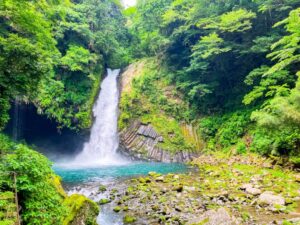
(142,141)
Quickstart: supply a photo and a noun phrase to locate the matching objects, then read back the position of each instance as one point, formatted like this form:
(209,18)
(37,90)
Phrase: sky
(129,3)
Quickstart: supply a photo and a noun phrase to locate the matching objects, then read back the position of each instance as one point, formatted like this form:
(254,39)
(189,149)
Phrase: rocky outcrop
(141,141)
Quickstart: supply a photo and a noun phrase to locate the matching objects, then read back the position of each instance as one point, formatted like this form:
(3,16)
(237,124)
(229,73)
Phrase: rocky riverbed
(235,190)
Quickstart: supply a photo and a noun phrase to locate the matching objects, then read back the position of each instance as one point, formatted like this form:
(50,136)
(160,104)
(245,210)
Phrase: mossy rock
(81,210)
(102,188)
(104,201)
(56,180)
(117,209)
(129,219)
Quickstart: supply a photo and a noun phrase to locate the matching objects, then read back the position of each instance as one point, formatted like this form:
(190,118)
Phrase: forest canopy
(236,64)
(53,53)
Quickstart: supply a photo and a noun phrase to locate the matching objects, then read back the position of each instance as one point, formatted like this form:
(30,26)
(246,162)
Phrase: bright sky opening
(129,3)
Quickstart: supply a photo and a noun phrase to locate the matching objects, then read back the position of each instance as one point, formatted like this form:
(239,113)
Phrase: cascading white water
(104,141)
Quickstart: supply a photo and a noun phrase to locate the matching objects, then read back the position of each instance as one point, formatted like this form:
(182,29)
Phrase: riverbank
(236,190)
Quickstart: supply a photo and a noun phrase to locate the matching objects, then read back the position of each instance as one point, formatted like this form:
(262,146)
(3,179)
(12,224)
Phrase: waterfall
(102,147)
(17,120)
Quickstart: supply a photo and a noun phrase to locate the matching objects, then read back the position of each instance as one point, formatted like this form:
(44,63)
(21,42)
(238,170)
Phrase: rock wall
(141,141)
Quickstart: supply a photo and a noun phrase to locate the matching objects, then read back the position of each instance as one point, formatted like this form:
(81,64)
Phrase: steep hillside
(154,120)
(229,68)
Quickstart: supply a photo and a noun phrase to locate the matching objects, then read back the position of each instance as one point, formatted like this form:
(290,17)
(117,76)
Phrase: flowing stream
(99,162)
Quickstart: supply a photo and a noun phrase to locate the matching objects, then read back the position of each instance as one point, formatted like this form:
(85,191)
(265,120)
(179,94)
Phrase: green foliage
(226,129)
(286,50)
(35,183)
(282,141)
(234,21)
(208,46)
(145,23)
(76,58)
(276,84)
(53,53)
(27,48)
(218,55)
(278,119)
(40,193)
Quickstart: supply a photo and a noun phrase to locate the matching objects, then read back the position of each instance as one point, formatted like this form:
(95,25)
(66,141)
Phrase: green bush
(225,130)
(241,148)
(282,141)
(38,195)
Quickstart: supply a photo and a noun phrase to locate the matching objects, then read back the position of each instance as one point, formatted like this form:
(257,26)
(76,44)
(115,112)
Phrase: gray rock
(268,198)
(245,186)
(253,191)
(141,141)
(249,189)
(189,189)
(215,217)
(159,179)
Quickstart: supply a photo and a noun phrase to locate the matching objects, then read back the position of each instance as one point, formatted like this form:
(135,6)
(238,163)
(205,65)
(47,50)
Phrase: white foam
(101,149)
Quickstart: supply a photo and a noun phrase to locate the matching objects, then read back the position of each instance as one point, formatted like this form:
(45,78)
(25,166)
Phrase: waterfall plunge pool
(114,172)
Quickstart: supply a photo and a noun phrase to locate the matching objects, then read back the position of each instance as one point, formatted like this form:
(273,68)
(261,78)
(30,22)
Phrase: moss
(104,201)
(102,188)
(129,219)
(117,209)
(56,180)
(245,216)
(80,208)
(285,222)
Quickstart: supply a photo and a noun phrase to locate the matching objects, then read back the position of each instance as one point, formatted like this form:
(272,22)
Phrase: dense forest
(233,64)
(54,52)
(230,70)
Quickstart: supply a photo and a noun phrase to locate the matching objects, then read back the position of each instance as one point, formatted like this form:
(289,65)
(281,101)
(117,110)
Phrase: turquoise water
(73,175)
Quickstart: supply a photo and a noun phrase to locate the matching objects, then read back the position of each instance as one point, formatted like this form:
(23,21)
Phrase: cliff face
(142,141)
(147,130)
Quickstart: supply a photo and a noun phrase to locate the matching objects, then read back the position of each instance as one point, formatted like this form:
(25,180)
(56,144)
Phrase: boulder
(159,179)
(249,189)
(215,217)
(81,210)
(189,189)
(270,199)
(245,186)
(253,191)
